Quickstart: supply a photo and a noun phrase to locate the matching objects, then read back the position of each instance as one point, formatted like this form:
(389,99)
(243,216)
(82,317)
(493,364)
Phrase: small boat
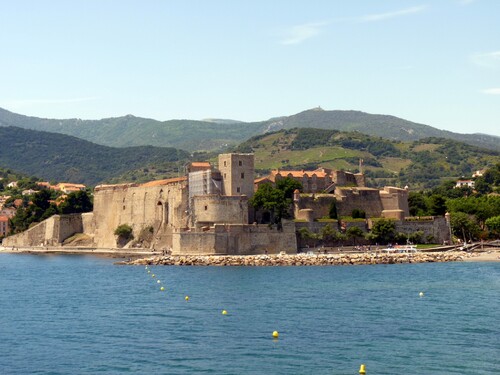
(401,249)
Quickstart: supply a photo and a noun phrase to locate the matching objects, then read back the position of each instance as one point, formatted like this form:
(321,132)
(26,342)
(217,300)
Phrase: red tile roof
(164,182)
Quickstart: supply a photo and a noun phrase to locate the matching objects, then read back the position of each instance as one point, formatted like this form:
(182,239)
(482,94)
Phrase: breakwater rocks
(299,259)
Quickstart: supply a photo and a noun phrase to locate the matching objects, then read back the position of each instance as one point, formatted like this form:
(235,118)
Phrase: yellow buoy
(162,288)
(224,312)
(146,267)
(149,271)
(158,281)
(276,334)
(362,369)
(153,275)
(186,298)
(421,294)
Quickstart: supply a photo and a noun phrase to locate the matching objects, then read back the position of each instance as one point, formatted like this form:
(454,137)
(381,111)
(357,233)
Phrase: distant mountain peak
(222,121)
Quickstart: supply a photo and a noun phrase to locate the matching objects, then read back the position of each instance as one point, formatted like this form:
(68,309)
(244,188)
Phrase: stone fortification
(435,228)
(237,239)
(159,205)
(219,209)
(388,202)
(50,232)
(343,178)
(237,172)
(209,213)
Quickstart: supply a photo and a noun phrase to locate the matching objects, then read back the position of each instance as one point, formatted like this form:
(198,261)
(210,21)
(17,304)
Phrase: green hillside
(385,126)
(128,131)
(63,158)
(216,134)
(422,163)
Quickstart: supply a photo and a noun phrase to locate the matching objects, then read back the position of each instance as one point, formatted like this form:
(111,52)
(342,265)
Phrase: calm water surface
(84,315)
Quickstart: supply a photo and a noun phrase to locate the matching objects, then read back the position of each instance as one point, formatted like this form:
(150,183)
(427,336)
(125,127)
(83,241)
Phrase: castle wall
(343,178)
(318,203)
(236,240)
(435,229)
(162,206)
(390,202)
(88,223)
(50,232)
(220,209)
(365,199)
(393,198)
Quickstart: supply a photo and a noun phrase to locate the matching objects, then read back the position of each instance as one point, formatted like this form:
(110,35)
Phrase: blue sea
(85,315)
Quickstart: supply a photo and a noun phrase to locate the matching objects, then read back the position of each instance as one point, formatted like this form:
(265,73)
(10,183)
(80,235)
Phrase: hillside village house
(3,199)
(464,183)
(318,180)
(4,225)
(68,188)
(10,212)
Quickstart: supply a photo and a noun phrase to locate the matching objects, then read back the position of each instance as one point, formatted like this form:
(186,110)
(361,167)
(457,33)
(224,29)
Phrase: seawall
(301,259)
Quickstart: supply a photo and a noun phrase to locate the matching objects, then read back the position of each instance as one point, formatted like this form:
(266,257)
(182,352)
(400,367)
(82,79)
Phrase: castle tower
(237,172)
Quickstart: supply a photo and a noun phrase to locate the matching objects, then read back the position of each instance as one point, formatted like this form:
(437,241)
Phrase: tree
(328,234)
(493,224)
(417,204)
(306,234)
(277,200)
(481,186)
(288,185)
(463,226)
(354,232)
(76,202)
(437,205)
(332,211)
(124,233)
(40,209)
(383,231)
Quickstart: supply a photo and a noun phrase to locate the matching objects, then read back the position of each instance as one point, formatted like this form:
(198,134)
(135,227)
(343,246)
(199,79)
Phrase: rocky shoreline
(300,259)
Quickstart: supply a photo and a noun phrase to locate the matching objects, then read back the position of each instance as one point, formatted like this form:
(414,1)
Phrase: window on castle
(224,176)
(225,163)
(238,190)
(242,175)
(240,163)
(206,208)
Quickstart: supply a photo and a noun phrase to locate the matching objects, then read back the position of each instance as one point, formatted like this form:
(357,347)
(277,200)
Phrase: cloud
(492,91)
(389,15)
(489,59)
(301,33)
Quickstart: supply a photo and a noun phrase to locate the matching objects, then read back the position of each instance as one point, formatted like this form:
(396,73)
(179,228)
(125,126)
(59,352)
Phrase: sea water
(85,315)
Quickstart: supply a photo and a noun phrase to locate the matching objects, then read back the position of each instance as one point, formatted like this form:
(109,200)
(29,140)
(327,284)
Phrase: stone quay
(300,259)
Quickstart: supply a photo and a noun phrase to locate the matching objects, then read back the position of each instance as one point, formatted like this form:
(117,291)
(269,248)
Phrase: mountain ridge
(218,134)
(61,157)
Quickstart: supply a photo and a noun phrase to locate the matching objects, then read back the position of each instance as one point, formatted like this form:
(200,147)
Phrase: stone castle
(207,212)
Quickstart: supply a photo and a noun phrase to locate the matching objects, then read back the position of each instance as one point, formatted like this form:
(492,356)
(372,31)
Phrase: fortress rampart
(237,239)
(219,209)
(161,205)
(213,216)
(50,232)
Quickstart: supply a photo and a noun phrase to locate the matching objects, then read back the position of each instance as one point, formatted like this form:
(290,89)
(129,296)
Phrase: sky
(432,62)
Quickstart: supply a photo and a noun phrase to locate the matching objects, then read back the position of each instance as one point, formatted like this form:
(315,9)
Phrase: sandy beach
(492,255)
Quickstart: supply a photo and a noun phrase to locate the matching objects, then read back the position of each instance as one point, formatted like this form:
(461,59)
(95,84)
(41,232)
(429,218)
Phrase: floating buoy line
(275,334)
